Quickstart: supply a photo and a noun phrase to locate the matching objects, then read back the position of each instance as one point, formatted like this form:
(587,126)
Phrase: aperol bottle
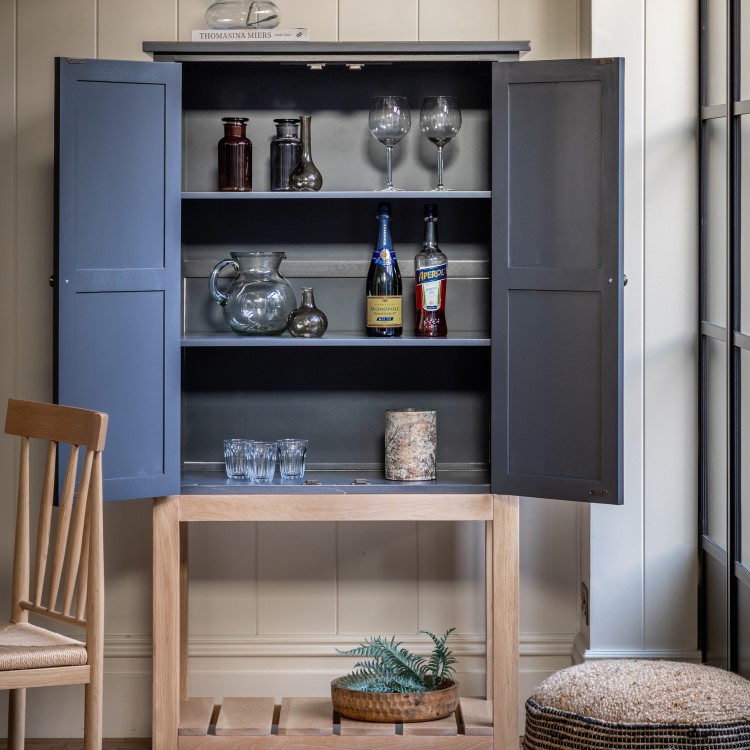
(430,280)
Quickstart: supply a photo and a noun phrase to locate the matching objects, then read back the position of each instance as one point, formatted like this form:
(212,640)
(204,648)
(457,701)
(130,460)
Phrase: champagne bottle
(383,288)
(430,280)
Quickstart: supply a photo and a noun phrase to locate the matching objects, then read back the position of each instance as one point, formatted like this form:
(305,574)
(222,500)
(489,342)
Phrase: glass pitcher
(259,299)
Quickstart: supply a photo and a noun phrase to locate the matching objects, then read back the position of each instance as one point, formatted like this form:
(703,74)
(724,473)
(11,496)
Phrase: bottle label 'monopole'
(384,312)
(430,287)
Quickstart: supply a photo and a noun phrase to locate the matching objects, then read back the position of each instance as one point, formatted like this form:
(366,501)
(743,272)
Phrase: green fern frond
(390,668)
(440,665)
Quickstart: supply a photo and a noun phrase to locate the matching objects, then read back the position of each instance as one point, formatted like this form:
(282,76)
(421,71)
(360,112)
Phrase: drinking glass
(237,458)
(263,460)
(389,122)
(440,121)
(292,453)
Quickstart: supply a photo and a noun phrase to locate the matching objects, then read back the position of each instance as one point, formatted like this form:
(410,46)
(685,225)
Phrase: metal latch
(360,482)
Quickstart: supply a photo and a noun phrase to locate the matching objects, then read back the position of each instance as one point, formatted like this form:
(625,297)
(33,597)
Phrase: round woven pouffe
(639,705)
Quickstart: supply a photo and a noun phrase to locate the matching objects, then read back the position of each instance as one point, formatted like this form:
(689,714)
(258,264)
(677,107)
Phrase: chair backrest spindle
(21,550)
(45,520)
(65,511)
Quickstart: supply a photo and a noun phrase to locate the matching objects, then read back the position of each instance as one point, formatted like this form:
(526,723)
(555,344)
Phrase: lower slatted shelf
(260,724)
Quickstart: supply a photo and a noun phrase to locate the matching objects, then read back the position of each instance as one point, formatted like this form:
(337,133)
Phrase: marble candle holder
(410,444)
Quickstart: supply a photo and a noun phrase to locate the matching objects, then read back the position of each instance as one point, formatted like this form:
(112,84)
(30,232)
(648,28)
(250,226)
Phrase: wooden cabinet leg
(184,584)
(505,557)
(166,623)
(489,660)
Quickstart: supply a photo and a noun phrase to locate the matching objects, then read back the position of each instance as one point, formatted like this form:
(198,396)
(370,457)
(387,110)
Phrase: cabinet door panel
(557,280)
(117,288)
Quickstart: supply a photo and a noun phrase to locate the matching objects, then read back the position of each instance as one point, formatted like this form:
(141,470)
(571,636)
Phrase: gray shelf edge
(337,49)
(216,483)
(347,340)
(342,194)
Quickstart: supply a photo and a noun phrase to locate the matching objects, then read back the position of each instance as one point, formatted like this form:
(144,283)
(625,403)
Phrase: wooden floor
(140,743)
(130,743)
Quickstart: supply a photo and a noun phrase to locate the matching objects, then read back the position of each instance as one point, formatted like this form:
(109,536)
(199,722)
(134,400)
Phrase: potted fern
(393,684)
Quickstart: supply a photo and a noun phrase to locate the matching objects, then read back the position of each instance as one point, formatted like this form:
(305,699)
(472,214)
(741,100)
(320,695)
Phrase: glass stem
(440,185)
(389,162)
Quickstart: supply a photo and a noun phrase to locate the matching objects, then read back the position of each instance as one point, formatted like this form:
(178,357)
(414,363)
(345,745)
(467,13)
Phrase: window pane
(716,221)
(744,555)
(716,52)
(745,219)
(716,441)
(715,616)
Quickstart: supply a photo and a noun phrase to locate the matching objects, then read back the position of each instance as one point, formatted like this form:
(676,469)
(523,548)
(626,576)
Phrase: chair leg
(16,718)
(92,720)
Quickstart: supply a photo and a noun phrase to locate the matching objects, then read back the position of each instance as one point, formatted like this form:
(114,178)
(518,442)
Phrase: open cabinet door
(557,280)
(117,276)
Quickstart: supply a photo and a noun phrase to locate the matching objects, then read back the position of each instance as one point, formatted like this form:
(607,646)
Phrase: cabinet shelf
(347,339)
(345,482)
(431,195)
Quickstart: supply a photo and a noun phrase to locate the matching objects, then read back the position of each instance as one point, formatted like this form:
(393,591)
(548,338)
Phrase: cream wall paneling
(78,28)
(386,20)
(122,25)
(10,304)
(616,583)
(444,20)
(378,587)
(642,572)
(223,581)
(551,25)
(670,299)
(44,30)
(297,578)
(320,17)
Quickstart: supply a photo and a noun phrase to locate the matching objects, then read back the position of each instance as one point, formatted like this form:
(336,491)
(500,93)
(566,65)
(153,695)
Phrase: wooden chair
(70,589)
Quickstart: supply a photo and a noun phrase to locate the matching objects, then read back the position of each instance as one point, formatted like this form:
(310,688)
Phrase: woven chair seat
(639,705)
(26,646)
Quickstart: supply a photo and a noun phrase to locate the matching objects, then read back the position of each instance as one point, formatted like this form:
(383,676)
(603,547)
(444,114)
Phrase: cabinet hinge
(311,482)
(316,66)
(360,482)
(76,60)
(355,66)
(598,493)
(605,60)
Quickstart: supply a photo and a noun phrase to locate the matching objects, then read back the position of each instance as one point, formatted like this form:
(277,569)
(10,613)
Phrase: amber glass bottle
(235,156)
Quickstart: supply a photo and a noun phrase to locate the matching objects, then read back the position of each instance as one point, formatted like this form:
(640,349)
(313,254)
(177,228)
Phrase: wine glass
(440,121)
(389,122)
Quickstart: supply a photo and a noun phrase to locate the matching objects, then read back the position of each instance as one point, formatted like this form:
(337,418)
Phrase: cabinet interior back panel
(338,99)
(334,399)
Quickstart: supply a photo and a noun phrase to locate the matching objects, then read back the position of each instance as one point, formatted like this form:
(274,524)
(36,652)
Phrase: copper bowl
(403,707)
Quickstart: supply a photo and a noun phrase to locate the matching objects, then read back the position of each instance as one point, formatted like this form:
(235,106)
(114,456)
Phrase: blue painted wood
(557,280)
(117,272)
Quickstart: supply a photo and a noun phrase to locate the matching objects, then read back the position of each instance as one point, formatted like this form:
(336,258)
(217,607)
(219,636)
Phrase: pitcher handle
(220,297)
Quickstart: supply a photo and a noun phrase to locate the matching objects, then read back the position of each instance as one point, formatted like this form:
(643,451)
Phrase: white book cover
(251,35)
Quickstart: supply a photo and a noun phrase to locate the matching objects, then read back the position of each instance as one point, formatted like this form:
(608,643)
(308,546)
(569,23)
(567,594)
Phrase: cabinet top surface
(403,50)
